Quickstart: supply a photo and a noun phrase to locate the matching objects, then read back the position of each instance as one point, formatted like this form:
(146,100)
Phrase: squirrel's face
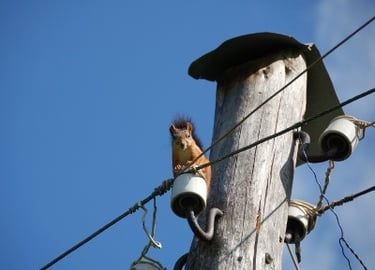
(182,138)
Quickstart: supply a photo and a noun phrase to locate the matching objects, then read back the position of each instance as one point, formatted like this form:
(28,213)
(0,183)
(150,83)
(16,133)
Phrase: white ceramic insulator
(302,219)
(189,189)
(341,133)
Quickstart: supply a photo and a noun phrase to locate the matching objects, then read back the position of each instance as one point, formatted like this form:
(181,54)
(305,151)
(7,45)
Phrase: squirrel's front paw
(191,169)
(178,167)
(182,168)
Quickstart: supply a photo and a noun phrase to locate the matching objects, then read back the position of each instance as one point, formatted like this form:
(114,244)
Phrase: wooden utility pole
(253,187)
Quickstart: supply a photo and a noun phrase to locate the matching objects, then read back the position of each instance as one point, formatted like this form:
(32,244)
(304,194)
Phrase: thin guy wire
(341,239)
(331,165)
(283,88)
(337,219)
(292,255)
(322,195)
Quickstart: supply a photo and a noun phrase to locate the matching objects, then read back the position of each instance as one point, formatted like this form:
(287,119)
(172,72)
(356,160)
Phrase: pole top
(239,50)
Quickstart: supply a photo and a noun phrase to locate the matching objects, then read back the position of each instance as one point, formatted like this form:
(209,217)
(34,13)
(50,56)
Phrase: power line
(319,210)
(166,185)
(293,127)
(284,87)
(160,190)
(341,239)
(346,199)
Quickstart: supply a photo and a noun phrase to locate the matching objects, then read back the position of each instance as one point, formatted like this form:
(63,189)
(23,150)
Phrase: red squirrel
(186,147)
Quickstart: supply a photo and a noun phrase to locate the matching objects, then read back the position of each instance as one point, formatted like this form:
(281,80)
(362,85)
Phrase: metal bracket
(197,230)
(304,140)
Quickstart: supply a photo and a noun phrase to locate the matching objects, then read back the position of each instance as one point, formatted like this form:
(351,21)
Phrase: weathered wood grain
(253,187)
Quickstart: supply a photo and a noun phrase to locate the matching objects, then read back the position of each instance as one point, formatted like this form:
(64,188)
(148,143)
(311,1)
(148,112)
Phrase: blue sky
(87,92)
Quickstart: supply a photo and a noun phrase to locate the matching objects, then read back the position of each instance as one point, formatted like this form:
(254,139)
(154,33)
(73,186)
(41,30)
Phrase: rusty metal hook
(197,230)
(181,262)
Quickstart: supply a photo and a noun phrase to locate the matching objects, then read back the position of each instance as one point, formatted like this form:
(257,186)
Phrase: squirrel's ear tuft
(172,130)
(189,126)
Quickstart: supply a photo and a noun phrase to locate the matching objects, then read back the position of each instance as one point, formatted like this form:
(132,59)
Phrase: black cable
(164,187)
(284,87)
(168,183)
(155,193)
(293,127)
(345,200)
(341,238)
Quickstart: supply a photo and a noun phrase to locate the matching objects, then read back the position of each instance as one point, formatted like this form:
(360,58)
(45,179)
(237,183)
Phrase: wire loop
(331,165)
(309,210)
(152,242)
(150,236)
